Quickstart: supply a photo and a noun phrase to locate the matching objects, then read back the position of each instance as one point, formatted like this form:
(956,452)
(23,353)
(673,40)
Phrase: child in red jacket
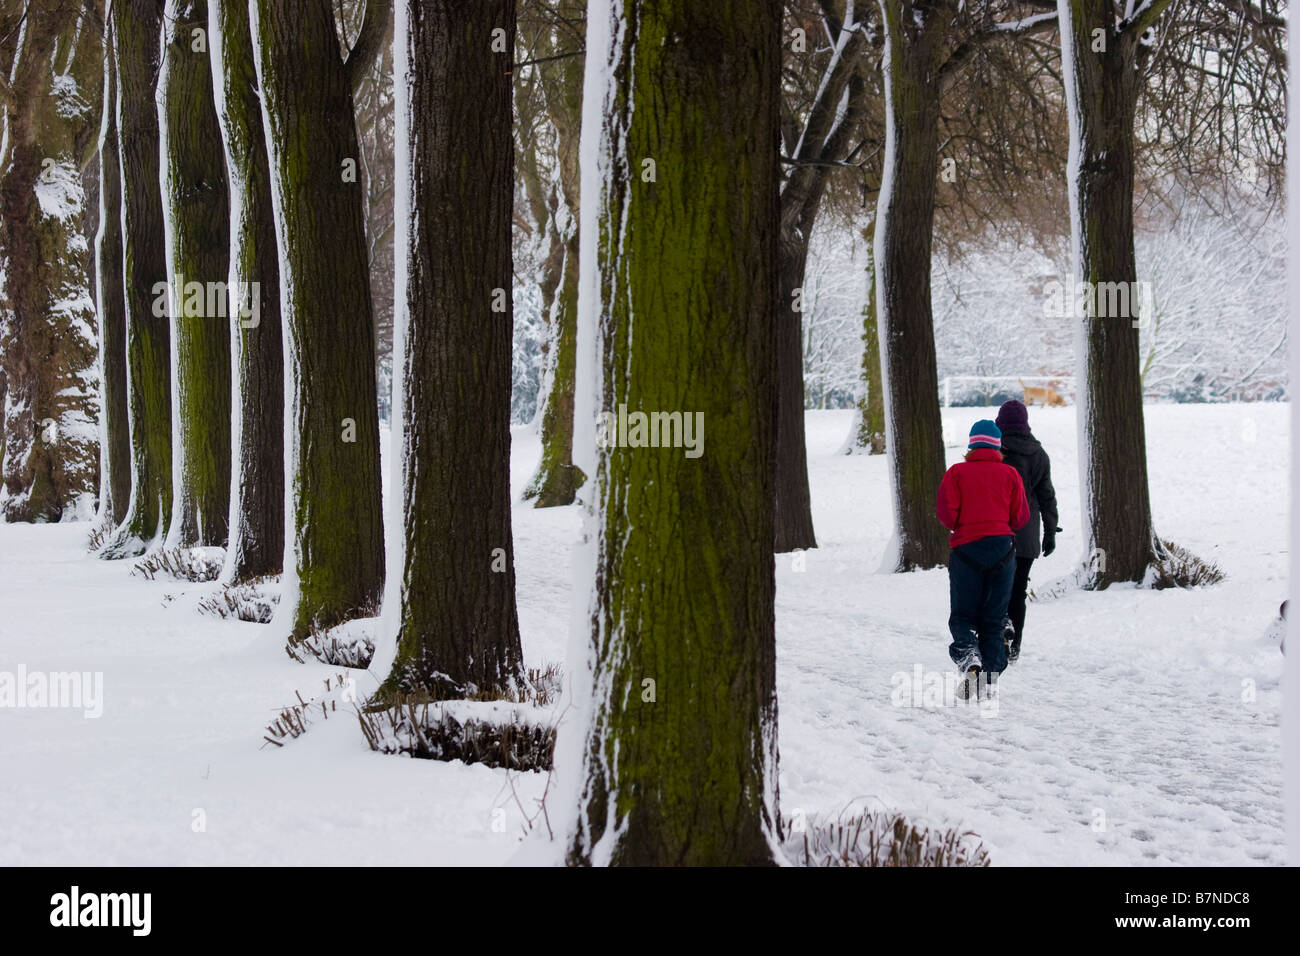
(982,502)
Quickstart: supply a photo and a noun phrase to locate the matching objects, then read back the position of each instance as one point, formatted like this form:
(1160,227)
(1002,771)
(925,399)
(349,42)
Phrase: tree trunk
(867,433)
(557,480)
(50,459)
(135,35)
(903,243)
(459,630)
(110,302)
(679,754)
(1101,89)
(334,549)
(196,223)
(793,526)
(256,545)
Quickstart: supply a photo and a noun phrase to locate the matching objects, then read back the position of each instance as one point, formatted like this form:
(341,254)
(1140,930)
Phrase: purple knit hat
(1013,417)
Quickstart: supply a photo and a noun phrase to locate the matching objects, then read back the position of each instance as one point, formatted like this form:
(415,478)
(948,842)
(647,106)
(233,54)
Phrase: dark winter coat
(1022,451)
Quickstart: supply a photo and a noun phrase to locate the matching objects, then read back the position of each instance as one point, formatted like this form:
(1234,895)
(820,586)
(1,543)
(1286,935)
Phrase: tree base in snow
(1171,566)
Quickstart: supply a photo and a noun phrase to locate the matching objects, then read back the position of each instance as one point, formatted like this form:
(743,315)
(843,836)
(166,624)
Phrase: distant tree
(256,546)
(1109,52)
(110,303)
(928,43)
(135,32)
(334,549)
(48,97)
(196,224)
(458,628)
(560,80)
(811,149)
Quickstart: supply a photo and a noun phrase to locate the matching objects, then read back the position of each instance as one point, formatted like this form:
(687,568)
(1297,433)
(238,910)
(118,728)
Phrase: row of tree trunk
(682,303)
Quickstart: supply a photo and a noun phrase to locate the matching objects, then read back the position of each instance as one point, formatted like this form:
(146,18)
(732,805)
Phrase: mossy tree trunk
(557,479)
(459,630)
(196,223)
(334,549)
(867,435)
(915,48)
(136,32)
(110,303)
(1102,88)
(679,755)
(256,546)
(47,355)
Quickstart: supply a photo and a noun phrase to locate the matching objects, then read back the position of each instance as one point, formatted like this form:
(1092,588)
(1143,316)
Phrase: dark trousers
(979,585)
(1016,606)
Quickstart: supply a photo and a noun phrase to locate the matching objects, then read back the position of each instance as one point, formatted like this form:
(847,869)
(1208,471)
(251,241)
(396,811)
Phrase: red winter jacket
(981,497)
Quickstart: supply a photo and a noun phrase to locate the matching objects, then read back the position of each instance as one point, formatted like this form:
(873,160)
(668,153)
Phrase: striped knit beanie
(986,434)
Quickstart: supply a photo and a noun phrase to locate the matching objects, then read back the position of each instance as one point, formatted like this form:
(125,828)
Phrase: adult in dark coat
(1021,450)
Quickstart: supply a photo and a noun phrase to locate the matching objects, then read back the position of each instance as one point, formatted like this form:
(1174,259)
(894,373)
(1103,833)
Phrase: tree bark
(792,499)
(334,551)
(459,629)
(868,433)
(196,226)
(135,31)
(1102,89)
(557,479)
(50,457)
(110,302)
(680,753)
(914,50)
(256,545)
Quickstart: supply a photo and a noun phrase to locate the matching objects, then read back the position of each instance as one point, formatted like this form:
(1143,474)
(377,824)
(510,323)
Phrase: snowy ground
(1139,727)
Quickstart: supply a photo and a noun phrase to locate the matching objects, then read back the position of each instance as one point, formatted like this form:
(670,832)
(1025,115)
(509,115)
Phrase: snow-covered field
(1139,727)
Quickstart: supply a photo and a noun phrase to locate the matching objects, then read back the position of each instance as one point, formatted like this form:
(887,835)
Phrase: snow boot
(1011,639)
(968,685)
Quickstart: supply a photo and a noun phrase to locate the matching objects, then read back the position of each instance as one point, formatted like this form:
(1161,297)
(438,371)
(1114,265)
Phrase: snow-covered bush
(294,720)
(876,838)
(252,601)
(350,644)
(1176,567)
(496,733)
(182,564)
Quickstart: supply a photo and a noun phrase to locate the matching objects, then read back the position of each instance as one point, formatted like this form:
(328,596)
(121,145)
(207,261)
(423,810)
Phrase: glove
(1049,542)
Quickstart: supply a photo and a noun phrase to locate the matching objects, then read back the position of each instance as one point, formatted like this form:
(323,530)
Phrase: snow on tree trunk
(110,303)
(47,343)
(458,630)
(903,246)
(334,549)
(677,698)
(135,33)
(196,225)
(256,545)
(1101,87)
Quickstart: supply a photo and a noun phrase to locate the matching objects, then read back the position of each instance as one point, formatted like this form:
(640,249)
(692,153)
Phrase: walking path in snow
(1139,727)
